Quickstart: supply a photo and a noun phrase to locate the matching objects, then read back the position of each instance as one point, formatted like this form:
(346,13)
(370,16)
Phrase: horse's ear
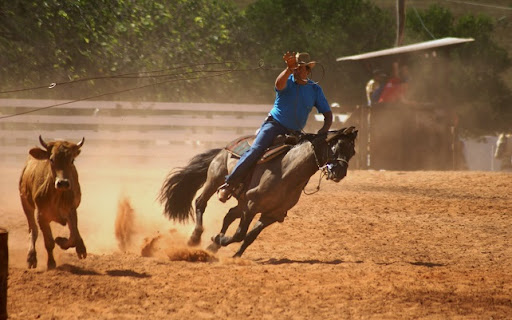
(349,130)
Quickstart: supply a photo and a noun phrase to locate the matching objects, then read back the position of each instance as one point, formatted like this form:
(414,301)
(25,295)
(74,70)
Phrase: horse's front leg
(240,233)
(233,214)
(253,234)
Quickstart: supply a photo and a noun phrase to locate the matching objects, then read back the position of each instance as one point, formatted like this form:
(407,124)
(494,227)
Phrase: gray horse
(274,187)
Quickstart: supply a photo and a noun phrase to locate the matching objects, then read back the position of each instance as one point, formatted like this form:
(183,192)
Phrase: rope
(322,174)
(322,168)
(131,75)
(218,73)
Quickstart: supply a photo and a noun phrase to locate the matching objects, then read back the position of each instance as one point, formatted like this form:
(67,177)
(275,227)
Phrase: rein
(323,169)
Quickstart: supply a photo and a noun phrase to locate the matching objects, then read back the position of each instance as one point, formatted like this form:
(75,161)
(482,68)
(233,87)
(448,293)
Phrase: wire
(134,75)
(109,93)
(220,72)
(421,21)
(480,4)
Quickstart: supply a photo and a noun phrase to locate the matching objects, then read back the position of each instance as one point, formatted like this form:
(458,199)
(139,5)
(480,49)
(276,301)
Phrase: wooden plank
(92,104)
(157,136)
(4,272)
(177,121)
(121,150)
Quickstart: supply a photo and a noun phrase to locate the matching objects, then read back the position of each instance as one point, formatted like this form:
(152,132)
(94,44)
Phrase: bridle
(326,168)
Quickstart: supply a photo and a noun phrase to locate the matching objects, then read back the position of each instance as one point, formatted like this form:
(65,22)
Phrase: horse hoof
(213,247)
(216,239)
(193,242)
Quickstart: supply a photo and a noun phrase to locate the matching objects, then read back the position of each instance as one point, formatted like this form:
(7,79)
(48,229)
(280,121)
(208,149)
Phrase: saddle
(280,145)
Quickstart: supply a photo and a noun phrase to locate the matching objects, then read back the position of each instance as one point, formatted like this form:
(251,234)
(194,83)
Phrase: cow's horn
(42,142)
(81,143)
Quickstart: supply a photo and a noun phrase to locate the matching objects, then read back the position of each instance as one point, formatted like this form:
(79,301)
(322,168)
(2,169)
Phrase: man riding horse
(296,95)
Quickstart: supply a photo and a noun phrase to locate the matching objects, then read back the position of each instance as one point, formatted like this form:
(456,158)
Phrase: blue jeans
(269,130)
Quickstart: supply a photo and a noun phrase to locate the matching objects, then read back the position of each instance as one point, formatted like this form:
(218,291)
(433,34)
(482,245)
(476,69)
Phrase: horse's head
(342,149)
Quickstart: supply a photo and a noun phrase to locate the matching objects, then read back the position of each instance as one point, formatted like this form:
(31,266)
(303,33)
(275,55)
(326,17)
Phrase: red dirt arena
(377,245)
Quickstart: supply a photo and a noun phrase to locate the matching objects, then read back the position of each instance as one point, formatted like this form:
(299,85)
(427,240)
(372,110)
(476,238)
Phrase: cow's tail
(181,185)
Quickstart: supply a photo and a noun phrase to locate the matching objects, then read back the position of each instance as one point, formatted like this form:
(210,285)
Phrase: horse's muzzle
(336,171)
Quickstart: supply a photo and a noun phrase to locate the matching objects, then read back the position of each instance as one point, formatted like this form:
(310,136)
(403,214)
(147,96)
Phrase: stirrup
(224,193)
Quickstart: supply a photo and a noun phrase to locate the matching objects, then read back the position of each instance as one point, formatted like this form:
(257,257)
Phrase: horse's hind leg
(233,214)
(201,202)
(253,234)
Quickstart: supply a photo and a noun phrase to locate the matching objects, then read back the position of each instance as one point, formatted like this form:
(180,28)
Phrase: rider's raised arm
(282,78)
(291,64)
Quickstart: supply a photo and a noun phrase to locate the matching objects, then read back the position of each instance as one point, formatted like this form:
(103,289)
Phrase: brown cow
(49,184)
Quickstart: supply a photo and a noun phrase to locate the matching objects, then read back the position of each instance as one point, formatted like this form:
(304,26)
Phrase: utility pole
(400,22)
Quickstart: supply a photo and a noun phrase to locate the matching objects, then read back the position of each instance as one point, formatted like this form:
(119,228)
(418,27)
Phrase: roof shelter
(417,47)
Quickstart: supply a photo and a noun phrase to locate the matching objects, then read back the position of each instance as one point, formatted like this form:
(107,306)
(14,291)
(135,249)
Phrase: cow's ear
(38,153)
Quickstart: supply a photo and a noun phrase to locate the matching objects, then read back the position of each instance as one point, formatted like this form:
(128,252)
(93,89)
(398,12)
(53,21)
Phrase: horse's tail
(181,185)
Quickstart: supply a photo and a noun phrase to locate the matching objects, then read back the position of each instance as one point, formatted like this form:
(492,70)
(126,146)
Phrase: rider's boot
(224,192)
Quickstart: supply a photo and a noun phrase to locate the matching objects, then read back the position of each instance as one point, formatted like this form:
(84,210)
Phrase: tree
(327,29)
(59,41)
(478,93)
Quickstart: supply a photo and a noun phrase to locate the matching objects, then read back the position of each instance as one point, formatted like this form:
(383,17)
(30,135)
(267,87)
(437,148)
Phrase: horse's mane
(300,152)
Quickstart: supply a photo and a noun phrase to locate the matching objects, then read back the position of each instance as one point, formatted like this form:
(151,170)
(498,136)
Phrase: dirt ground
(377,245)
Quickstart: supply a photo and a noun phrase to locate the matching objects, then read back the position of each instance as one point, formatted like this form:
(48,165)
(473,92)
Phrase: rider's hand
(291,60)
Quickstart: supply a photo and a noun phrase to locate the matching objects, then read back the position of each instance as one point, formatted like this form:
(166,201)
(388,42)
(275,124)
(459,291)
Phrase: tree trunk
(4,266)
(400,22)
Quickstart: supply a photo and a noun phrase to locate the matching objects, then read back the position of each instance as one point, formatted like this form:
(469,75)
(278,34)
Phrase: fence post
(4,266)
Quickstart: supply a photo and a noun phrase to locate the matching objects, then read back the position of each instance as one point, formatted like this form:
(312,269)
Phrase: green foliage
(76,39)
(327,29)
(119,44)
(477,92)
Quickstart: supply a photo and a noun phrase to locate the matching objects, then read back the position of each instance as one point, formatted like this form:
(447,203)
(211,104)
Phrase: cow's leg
(33,233)
(209,189)
(75,240)
(49,243)
(233,214)
(253,234)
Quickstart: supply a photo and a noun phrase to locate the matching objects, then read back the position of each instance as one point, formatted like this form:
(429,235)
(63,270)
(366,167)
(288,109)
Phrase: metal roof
(408,48)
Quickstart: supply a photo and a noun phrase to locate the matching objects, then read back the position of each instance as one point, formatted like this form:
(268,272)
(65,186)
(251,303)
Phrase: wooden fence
(4,272)
(142,132)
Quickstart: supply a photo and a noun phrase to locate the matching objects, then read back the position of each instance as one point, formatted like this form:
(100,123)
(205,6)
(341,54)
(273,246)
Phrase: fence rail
(144,132)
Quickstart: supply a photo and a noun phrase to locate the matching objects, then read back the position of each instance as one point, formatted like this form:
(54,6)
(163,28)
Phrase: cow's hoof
(81,252)
(51,264)
(32,260)
(213,247)
(62,243)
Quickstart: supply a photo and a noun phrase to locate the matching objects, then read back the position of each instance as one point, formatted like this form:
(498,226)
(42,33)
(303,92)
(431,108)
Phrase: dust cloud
(119,211)
(170,244)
